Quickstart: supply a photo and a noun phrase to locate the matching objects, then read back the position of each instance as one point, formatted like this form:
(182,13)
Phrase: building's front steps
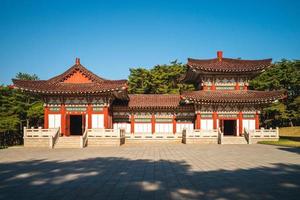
(234,140)
(68,142)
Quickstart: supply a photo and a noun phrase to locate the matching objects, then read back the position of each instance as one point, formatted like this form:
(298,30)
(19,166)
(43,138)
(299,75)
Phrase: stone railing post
(220,136)
(184,136)
(277,132)
(24,131)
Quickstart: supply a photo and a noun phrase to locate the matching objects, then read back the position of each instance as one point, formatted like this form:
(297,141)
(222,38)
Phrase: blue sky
(45,37)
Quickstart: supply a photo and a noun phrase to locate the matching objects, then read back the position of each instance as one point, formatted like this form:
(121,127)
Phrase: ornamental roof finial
(220,55)
(77,61)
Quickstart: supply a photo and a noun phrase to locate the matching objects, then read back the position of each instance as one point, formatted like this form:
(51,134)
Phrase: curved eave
(70,92)
(204,70)
(255,101)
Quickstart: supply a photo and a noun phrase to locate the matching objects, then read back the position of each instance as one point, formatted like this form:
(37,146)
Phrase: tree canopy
(161,79)
(282,75)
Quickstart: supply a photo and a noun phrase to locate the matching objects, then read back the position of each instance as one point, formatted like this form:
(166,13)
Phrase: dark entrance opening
(229,127)
(75,124)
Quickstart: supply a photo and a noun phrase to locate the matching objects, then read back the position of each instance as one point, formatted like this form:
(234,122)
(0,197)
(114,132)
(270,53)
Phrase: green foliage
(283,75)
(25,76)
(161,79)
(18,109)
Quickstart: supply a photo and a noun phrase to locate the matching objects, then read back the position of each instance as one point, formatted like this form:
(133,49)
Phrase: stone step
(233,140)
(68,142)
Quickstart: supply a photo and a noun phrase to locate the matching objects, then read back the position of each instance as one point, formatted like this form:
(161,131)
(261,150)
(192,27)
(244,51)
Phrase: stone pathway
(156,171)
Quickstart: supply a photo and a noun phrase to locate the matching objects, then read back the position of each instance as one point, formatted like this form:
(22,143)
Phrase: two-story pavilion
(224,99)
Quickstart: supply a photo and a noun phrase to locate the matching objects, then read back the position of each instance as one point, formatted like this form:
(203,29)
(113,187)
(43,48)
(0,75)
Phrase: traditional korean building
(224,99)
(78,100)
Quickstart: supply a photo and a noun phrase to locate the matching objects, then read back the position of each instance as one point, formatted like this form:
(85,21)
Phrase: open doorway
(76,126)
(229,127)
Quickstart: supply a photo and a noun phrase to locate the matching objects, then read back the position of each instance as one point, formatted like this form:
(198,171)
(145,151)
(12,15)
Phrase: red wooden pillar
(256,120)
(63,120)
(237,86)
(213,86)
(132,124)
(174,123)
(215,120)
(46,117)
(240,123)
(105,112)
(89,112)
(153,123)
(198,121)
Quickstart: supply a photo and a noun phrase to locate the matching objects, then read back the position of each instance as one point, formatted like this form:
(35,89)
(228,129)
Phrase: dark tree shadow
(290,149)
(118,178)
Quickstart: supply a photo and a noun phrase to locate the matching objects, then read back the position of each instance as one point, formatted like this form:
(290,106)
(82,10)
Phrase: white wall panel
(187,126)
(142,127)
(164,128)
(125,126)
(97,120)
(207,124)
(54,120)
(248,124)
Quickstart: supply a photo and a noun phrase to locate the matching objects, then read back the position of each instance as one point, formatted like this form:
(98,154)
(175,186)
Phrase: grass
(288,136)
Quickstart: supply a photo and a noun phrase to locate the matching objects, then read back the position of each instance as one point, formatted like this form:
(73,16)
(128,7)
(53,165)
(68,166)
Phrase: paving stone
(163,171)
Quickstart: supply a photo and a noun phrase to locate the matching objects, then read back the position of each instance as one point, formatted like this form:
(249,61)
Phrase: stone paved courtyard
(158,171)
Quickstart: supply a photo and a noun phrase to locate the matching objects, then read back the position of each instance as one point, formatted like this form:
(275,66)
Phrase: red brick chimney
(220,55)
(77,62)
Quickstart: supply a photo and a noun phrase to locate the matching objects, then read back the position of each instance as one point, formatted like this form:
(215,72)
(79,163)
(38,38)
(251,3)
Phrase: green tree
(161,79)
(282,75)
(18,109)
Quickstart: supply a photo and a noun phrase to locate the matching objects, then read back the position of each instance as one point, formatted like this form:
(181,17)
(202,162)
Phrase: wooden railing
(106,133)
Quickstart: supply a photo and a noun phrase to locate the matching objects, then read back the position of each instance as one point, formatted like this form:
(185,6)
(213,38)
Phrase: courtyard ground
(156,171)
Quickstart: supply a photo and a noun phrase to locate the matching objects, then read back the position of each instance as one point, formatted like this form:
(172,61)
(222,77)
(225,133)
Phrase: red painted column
(213,86)
(89,112)
(256,120)
(46,117)
(105,112)
(198,121)
(237,86)
(215,120)
(240,123)
(153,123)
(63,120)
(132,124)
(174,123)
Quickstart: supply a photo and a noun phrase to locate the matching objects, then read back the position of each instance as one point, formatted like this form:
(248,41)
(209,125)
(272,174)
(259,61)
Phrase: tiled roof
(153,101)
(56,85)
(233,96)
(228,65)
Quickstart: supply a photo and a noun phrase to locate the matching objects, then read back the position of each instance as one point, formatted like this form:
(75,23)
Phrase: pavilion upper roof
(228,65)
(233,96)
(76,80)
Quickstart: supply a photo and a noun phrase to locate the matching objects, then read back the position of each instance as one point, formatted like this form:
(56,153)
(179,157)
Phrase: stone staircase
(234,140)
(68,142)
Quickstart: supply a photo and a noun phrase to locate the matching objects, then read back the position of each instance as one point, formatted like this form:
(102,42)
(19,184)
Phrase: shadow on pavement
(118,178)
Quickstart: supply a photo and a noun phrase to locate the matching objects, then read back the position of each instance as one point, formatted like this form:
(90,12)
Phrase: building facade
(77,100)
